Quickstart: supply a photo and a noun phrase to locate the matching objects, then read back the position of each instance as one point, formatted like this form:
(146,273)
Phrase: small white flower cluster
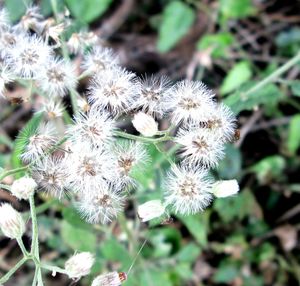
(93,166)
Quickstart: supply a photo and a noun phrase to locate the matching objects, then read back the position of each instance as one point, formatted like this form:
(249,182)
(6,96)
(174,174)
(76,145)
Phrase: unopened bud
(23,188)
(222,189)
(145,124)
(79,264)
(11,222)
(151,210)
(110,279)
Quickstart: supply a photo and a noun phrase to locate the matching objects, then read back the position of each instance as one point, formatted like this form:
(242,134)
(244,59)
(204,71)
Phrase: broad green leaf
(295,87)
(177,19)
(236,8)
(197,225)
(155,277)
(219,43)
(16,8)
(188,253)
(293,141)
(226,273)
(239,74)
(88,10)
(239,101)
(288,41)
(268,168)
(73,218)
(77,238)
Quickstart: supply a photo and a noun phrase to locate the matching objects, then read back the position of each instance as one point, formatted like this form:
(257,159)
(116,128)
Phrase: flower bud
(23,188)
(11,222)
(110,279)
(79,264)
(145,124)
(222,189)
(150,210)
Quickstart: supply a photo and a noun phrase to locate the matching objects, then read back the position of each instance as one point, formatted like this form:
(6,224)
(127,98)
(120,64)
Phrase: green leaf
(239,101)
(88,10)
(269,168)
(77,238)
(236,9)
(226,273)
(219,43)
(293,141)
(16,8)
(155,277)
(188,253)
(197,225)
(177,19)
(73,218)
(295,87)
(239,74)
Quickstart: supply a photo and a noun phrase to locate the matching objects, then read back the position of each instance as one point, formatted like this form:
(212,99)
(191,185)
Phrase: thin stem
(142,139)
(13,270)
(35,277)
(34,244)
(5,187)
(13,171)
(54,269)
(22,247)
(166,156)
(273,76)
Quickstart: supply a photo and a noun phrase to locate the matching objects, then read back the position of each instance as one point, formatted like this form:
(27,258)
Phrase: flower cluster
(87,160)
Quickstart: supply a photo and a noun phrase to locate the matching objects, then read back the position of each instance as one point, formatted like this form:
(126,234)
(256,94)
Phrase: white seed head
(11,222)
(189,101)
(145,124)
(108,279)
(95,128)
(53,109)
(6,76)
(23,188)
(200,147)
(101,203)
(57,78)
(79,265)
(187,190)
(227,188)
(99,60)
(114,90)
(150,210)
(83,104)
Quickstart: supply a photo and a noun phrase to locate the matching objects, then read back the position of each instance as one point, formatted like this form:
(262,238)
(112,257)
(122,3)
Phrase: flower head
(227,188)
(53,109)
(187,190)
(110,279)
(150,210)
(145,124)
(23,188)
(11,222)
(79,264)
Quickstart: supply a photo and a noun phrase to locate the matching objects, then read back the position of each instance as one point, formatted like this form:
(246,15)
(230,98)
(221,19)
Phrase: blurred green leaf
(188,253)
(295,87)
(77,238)
(239,74)
(293,141)
(226,273)
(197,225)
(289,41)
(88,10)
(73,218)
(155,277)
(184,270)
(268,168)
(219,43)
(239,101)
(177,19)
(236,9)
(16,8)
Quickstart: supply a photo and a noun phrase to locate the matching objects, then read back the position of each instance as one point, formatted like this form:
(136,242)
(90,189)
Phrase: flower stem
(35,243)
(143,139)
(13,171)
(22,247)
(13,270)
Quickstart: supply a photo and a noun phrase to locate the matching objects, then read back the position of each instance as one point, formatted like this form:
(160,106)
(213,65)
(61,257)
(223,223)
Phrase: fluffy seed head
(227,188)
(114,90)
(23,188)
(200,147)
(187,190)
(5,77)
(145,124)
(150,210)
(110,279)
(79,264)
(11,222)
(53,109)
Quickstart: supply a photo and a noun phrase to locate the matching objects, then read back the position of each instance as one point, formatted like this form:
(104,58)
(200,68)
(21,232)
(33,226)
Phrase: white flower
(51,175)
(83,104)
(74,43)
(53,109)
(79,264)
(32,19)
(110,279)
(150,210)
(153,95)
(200,146)
(130,156)
(189,101)
(23,188)
(95,128)
(5,77)
(29,56)
(43,139)
(221,122)
(114,90)
(100,59)
(57,77)
(187,190)
(11,222)
(145,124)
(222,189)
(101,203)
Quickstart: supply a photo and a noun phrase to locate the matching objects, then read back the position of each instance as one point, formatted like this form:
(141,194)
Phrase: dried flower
(110,279)
(79,264)
(11,222)
(145,124)
(23,188)
(150,210)
(227,188)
